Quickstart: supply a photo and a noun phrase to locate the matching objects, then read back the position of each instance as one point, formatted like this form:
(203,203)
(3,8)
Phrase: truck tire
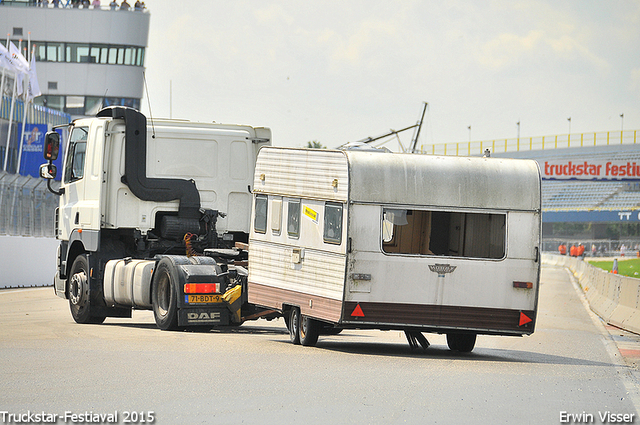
(294,325)
(463,343)
(164,294)
(309,331)
(79,301)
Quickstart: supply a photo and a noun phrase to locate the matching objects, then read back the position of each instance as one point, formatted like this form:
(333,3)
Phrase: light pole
(569,119)
(622,122)
(518,124)
(469,133)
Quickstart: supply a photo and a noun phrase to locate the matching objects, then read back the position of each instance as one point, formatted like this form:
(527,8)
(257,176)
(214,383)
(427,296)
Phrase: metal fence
(603,247)
(27,207)
(602,138)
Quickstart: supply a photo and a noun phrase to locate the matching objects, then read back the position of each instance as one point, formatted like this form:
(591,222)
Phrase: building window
(455,234)
(74,105)
(50,51)
(52,85)
(92,105)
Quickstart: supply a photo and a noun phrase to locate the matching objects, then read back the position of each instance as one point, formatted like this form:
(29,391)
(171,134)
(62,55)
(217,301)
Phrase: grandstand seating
(589,195)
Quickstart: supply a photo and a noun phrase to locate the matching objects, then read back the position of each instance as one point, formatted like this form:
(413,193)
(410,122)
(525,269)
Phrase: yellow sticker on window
(313,215)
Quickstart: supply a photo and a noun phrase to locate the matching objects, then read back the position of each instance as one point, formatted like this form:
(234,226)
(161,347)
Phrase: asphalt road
(252,374)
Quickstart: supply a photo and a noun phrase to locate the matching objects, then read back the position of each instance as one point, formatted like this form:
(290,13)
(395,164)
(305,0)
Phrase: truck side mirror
(51,145)
(48,171)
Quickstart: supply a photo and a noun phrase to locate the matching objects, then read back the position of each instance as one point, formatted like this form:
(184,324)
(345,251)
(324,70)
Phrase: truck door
(82,182)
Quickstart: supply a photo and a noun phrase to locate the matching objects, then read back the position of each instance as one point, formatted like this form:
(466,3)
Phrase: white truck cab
(143,191)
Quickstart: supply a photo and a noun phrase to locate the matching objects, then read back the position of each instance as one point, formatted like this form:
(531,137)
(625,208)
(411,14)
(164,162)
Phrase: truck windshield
(74,164)
(456,234)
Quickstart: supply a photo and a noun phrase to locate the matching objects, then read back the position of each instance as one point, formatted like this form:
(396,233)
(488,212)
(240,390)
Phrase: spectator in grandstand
(573,251)
(594,250)
(623,249)
(562,249)
(580,250)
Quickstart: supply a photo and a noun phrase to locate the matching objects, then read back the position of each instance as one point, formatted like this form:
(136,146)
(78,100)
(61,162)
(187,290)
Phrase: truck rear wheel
(79,301)
(461,342)
(164,295)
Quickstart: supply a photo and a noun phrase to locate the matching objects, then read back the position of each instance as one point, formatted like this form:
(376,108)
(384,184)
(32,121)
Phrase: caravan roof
(407,179)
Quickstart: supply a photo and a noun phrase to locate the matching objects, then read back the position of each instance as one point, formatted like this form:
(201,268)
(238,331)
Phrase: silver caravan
(375,240)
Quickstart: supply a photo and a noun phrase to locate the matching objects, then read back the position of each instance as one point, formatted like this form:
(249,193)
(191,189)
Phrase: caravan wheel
(294,325)
(309,331)
(461,342)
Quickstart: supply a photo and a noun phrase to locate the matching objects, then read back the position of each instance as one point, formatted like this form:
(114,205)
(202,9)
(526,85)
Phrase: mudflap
(204,316)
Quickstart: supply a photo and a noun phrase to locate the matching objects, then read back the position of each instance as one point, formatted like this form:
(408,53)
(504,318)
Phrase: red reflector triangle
(524,319)
(357,312)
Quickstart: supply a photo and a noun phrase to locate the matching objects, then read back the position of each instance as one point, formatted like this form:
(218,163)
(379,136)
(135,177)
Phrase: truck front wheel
(79,301)
(164,295)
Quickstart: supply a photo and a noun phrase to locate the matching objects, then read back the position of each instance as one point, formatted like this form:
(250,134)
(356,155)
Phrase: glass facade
(106,54)
(84,105)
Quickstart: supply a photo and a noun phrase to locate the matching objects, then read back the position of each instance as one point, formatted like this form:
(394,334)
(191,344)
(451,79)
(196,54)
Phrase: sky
(340,71)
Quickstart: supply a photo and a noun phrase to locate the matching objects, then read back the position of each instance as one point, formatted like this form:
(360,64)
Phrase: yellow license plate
(203,299)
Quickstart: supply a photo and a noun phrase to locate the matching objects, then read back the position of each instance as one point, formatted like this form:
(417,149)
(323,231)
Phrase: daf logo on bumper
(441,269)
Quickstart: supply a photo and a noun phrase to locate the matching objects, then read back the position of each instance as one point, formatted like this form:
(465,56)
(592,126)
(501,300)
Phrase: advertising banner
(32,151)
(590,170)
(32,148)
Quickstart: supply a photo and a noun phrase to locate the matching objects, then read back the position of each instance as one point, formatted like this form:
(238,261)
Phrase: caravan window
(260,220)
(293,218)
(333,223)
(456,234)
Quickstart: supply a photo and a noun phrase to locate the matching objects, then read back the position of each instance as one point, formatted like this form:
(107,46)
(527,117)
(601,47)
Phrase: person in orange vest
(573,251)
(562,249)
(580,250)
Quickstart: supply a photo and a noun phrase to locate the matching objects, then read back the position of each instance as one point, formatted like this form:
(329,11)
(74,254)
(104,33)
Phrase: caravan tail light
(201,288)
(524,285)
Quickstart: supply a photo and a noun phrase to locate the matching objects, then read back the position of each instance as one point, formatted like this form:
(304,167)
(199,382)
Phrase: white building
(87,57)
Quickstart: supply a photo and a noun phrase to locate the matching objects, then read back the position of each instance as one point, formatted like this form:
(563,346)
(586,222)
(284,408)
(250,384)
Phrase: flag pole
(13,102)
(3,72)
(2,82)
(26,102)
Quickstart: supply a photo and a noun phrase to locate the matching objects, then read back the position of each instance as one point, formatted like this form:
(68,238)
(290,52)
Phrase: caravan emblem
(441,269)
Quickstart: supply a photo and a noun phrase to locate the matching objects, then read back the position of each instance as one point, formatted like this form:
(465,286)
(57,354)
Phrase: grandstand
(601,209)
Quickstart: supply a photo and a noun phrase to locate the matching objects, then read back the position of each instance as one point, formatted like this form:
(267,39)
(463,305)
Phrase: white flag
(21,65)
(5,59)
(34,87)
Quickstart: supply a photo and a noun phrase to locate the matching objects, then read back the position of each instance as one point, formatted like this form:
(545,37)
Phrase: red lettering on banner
(589,170)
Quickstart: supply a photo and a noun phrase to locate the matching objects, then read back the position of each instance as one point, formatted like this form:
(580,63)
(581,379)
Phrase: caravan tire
(294,325)
(309,331)
(164,294)
(463,343)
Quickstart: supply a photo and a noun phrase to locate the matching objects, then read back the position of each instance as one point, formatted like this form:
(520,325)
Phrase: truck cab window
(446,233)
(74,164)
(293,218)
(260,222)
(333,223)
